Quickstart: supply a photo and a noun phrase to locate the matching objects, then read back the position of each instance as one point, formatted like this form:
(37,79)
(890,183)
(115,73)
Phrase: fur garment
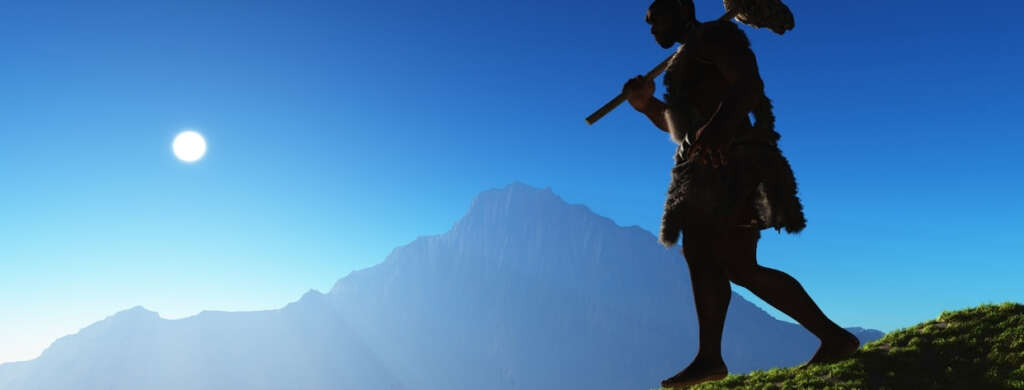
(756,188)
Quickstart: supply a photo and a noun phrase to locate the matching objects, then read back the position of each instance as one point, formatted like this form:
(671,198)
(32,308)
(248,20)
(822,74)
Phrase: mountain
(524,292)
(276,349)
(976,348)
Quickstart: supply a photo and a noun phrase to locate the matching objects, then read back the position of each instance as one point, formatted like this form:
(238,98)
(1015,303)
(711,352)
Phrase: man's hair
(682,7)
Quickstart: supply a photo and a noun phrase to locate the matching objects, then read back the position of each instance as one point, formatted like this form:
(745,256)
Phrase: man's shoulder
(723,33)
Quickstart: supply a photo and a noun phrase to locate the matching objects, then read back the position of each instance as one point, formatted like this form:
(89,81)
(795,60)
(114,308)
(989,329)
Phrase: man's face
(667,25)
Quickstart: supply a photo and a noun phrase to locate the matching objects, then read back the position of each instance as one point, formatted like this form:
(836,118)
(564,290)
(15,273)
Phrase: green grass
(976,348)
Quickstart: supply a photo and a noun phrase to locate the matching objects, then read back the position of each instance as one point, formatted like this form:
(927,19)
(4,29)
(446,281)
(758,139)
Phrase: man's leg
(711,293)
(739,253)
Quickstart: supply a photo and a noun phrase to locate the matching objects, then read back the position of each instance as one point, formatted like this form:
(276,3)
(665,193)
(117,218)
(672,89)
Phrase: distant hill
(977,348)
(274,349)
(525,291)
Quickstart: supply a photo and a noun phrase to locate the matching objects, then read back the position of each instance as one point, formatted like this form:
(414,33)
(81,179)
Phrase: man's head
(670,20)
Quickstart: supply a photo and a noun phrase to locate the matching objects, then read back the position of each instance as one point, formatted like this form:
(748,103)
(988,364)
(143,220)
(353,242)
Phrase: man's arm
(640,94)
(728,49)
(731,54)
(655,111)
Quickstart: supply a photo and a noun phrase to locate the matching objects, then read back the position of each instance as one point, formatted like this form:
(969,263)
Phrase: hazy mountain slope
(525,292)
(135,349)
(535,292)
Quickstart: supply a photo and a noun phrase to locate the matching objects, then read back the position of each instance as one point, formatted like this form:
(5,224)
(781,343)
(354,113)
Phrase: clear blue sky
(338,130)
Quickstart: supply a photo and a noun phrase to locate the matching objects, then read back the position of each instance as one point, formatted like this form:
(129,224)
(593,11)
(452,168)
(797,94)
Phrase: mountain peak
(137,312)
(516,192)
(517,202)
(134,315)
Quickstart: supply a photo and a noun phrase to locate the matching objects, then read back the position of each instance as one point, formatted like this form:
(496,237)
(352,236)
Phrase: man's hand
(639,92)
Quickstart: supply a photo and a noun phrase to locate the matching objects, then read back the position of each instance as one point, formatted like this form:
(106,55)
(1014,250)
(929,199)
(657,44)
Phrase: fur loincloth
(756,189)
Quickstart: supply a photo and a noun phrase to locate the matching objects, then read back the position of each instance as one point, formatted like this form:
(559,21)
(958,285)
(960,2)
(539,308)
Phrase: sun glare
(189,146)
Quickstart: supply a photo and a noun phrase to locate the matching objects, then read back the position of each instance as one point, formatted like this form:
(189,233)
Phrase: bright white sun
(189,146)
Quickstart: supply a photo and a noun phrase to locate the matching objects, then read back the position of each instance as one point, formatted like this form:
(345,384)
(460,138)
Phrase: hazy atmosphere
(335,131)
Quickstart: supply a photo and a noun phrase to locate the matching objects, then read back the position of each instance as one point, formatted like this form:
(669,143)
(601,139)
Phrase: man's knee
(738,252)
(742,274)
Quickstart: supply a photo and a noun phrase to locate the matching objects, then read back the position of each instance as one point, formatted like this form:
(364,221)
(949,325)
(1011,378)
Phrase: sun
(189,146)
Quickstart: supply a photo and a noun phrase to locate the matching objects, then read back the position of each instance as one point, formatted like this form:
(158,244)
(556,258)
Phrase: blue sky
(338,130)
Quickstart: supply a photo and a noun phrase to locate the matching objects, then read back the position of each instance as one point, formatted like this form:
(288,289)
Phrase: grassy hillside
(977,348)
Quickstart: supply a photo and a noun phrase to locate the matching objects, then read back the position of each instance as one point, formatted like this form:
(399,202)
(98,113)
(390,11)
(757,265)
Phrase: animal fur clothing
(755,189)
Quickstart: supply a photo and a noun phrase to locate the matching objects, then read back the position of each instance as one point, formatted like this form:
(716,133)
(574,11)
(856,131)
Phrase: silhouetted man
(730,181)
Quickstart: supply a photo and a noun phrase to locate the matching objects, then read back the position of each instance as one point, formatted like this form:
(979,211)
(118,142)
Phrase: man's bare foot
(834,349)
(699,371)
